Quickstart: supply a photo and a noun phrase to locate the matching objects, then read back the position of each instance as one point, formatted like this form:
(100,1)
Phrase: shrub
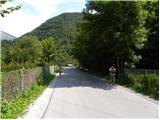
(146,83)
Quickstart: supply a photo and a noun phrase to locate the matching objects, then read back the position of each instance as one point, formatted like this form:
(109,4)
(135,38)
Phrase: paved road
(80,95)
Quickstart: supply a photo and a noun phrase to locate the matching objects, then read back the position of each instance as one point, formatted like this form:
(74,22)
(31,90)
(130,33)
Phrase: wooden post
(22,82)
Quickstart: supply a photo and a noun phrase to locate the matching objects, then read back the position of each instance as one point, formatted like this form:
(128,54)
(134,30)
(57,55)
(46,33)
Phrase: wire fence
(15,81)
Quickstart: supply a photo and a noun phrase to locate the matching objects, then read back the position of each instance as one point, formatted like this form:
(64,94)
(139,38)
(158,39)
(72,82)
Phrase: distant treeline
(29,52)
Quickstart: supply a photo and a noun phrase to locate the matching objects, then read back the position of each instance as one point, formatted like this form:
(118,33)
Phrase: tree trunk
(121,71)
(118,68)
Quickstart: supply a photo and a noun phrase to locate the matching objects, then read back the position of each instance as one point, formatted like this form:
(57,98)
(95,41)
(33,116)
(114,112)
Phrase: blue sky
(35,12)
(71,7)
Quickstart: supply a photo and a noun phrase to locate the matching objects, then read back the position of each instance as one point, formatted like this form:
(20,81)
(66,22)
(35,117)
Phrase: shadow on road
(72,77)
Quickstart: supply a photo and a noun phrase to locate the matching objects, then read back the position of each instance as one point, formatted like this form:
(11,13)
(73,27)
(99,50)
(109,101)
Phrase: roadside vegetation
(29,52)
(126,37)
(20,58)
(143,82)
(125,33)
(16,107)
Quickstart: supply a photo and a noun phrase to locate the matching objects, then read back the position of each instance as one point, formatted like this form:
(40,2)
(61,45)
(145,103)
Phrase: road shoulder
(125,88)
(38,107)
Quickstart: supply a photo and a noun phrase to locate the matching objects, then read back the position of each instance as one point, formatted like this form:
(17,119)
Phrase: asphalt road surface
(81,95)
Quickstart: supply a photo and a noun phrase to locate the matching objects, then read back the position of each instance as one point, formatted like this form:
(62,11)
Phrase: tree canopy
(150,52)
(20,53)
(112,32)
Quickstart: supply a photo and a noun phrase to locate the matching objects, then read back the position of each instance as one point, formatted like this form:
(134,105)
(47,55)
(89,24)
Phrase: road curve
(81,95)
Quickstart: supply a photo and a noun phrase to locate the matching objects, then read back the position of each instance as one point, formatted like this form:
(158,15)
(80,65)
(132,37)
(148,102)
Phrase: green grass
(146,83)
(15,108)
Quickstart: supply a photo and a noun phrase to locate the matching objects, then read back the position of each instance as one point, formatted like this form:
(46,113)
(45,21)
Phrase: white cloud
(44,7)
(32,14)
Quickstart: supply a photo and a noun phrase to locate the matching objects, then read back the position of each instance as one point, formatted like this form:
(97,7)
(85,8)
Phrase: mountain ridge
(62,28)
(53,20)
(6,36)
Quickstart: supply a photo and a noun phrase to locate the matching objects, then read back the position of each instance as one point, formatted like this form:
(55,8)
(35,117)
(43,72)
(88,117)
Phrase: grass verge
(144,83)
(15,108)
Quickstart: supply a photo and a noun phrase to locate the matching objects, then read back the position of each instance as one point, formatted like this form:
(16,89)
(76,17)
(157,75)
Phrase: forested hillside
(62,28)
(51,42)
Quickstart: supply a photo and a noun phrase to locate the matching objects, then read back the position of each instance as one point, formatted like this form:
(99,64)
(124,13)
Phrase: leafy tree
(7,53)
(49,51)
(24,52)
(8,10)
(111,33)
(150,52)
(28,49)
(63,29)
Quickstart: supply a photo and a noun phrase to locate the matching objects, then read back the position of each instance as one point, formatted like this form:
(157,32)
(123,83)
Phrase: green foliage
(49,50)
(30,49)
(62,28)
(8,10)
(12,109)
(24,52)
(39,75)
(54,53)
(147,83)
(150,52)
(104,38)
(29,52)
(52,45)
(1,77)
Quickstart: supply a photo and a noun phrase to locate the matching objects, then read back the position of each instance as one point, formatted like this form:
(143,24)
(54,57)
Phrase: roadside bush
(146,83)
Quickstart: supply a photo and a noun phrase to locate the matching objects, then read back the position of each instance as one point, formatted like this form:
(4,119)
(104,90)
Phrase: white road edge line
(38,108)
(50,98)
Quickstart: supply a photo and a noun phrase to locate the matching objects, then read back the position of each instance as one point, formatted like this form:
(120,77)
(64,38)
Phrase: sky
(35,12)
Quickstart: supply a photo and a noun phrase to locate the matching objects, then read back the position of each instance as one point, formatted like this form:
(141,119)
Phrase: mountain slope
(62,28)
(6,36)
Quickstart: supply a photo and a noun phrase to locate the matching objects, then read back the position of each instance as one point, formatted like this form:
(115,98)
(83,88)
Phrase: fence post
(22,72)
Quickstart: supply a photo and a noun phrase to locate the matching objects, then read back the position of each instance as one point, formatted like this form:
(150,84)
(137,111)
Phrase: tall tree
(28,49)
(24,52)
(49,50)
(110,33)
(150,52)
